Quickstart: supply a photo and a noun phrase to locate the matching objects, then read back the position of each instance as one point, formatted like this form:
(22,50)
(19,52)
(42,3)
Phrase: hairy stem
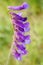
(9,53)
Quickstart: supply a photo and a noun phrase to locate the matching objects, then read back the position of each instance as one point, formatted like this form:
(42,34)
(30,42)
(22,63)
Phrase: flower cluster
(20,27)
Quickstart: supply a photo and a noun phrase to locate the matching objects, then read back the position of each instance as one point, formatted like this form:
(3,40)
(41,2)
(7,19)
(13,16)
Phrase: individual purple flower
(18,17)
(16,54)
(20,27)
(23,6)
(21,48)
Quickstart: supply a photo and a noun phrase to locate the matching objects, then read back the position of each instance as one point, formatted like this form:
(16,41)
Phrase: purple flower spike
(23,6)
(20,27)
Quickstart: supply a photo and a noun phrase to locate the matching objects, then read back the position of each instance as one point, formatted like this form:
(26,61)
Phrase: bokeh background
(35,17)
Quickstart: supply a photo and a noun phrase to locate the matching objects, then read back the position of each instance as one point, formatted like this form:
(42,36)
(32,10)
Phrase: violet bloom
(23,6)
(20,27)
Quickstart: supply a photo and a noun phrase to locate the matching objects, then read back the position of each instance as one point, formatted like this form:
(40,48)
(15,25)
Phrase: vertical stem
(9,53)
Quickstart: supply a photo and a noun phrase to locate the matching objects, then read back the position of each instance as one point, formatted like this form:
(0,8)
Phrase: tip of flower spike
(23,6)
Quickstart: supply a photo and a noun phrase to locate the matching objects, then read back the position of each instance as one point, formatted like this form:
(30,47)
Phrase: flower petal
(18,17)
(23,39)
(21,48)
(27,40)
(22,29)
(19,23)
(17,55)
(25,25)
(23,6)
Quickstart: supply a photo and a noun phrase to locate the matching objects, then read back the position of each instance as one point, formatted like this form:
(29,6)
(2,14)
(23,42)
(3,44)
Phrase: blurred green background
(35,17)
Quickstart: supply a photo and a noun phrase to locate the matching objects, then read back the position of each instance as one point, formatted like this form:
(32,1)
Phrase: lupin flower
(20,27)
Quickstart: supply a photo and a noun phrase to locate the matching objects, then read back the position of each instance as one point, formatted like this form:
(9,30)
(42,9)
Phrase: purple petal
(27,40)
(23,41)
(18,23)
(23,6)
(26,25)
(21,48)
(16,30)
(19,13)
(23,52)
(19,34)
(22,29)
(17,55)
(18,17)
(21,38)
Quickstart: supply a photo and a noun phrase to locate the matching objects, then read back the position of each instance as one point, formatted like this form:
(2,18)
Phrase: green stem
(9,54)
